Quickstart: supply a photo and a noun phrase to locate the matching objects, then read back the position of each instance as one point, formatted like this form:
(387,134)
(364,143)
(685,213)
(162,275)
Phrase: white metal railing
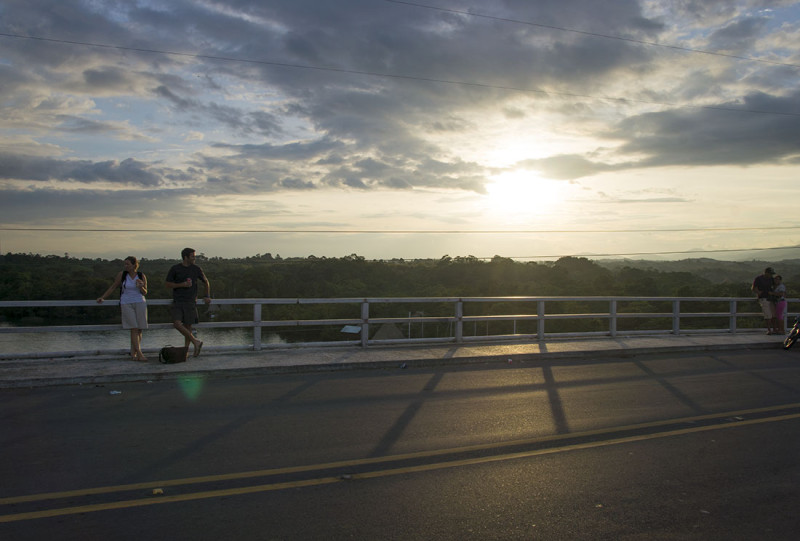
(618,309)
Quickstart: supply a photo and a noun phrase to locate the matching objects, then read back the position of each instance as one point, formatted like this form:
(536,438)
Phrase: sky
(524,129)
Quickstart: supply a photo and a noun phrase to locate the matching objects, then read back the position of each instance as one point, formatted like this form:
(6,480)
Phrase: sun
(517,194)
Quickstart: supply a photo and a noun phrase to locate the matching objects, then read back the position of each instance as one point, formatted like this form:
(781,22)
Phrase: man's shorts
(768,308)
(134,315)
(185,312)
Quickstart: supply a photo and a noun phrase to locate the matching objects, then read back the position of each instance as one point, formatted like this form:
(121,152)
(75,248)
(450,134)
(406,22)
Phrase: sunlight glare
(525,193)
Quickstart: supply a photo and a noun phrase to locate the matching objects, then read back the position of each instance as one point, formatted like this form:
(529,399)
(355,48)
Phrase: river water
(104,340)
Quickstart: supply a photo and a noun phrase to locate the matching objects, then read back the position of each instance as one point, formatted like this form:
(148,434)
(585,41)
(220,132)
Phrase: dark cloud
(34,168)
(246,122)
(297,184)
(109,77)
(738,36)
(295,151)
(727,134)
(179,103)
(713,136)
(46,206)
(89,127)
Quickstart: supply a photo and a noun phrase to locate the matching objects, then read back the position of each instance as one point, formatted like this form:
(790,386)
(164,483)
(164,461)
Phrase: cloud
(53,206)
(739,135)
(245,122)
(738,36)
(296,184)
(35,168)
(566,167)
(86,126)
(365,96)
(703,14)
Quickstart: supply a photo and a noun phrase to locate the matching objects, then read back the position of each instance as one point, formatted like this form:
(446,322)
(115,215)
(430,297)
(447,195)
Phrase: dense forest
(36,277)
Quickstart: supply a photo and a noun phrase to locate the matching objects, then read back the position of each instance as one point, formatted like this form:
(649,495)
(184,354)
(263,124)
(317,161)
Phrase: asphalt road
(700,446)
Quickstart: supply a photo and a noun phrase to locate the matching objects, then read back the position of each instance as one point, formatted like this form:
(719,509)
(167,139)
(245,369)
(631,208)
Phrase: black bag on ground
(172,355)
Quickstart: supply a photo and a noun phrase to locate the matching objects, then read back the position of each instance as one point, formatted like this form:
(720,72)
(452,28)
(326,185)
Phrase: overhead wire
(397,76)
(461,232)
(593,34)
(403,231)
(675,252)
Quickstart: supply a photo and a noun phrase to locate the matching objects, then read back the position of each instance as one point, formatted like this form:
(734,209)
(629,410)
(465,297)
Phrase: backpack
(172,355)
(139,275)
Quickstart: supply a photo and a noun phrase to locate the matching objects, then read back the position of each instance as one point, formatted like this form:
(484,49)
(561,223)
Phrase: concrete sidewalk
(85,370)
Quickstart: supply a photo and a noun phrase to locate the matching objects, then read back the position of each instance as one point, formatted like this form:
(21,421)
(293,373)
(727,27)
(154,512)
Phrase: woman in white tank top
(133,288)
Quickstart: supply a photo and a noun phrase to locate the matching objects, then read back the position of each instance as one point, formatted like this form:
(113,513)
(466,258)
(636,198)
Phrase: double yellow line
(739,416)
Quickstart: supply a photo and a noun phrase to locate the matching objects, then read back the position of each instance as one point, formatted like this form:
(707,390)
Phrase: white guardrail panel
(539,310)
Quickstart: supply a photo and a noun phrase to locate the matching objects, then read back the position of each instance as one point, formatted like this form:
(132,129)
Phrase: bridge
(474,329)
(638,432)
(466,319)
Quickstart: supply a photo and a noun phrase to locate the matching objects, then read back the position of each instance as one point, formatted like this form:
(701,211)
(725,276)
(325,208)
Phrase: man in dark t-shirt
(182,279)
(763,285)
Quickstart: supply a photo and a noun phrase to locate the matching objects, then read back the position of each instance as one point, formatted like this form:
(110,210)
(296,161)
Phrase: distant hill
(788,253)
(718,272)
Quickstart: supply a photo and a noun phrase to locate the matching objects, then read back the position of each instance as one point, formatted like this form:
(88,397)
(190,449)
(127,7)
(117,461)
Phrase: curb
(518,359)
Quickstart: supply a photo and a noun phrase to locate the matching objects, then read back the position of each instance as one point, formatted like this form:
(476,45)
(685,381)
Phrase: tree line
(37,277)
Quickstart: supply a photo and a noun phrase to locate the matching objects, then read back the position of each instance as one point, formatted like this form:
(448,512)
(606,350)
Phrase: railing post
(612,326)
(732,326)
(459,315)
(256,327)
(364,323)
(540,320)
(676,317)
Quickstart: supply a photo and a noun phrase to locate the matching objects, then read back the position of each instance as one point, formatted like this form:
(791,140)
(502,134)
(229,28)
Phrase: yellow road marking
(125,504)
(378,473)
(573,447)
(377,460)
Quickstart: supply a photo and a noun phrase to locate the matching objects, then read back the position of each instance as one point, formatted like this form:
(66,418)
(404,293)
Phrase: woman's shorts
(780,309)
(134,315)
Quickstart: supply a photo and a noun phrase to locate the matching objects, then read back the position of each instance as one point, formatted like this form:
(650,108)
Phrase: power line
(526,257)
(593,34)
(395,76)
(692,252)
(403,231)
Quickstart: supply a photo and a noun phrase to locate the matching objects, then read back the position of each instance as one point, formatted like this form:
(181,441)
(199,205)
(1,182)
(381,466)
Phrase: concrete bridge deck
(20,373)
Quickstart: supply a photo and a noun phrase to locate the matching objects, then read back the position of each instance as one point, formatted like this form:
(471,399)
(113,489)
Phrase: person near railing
(763,285)
(182,279)
(780,304)
(132,285)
